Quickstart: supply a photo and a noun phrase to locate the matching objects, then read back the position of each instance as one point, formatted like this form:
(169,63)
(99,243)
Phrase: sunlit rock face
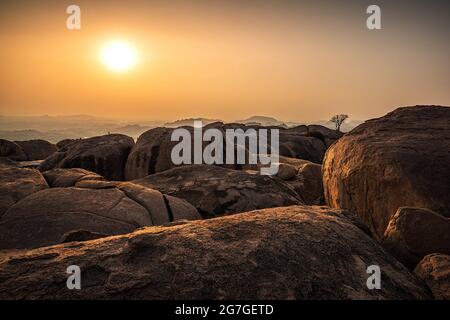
(412,233)
(401,159)
(296,252)
(434,270)
(17,183)
(90,207)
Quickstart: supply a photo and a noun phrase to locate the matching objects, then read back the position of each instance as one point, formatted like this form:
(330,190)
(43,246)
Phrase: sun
(119,56)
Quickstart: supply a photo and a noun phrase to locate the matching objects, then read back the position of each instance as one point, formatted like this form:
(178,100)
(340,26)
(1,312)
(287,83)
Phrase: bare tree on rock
(338,120)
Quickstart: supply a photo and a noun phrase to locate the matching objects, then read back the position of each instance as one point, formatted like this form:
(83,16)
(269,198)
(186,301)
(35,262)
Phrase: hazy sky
(294,60)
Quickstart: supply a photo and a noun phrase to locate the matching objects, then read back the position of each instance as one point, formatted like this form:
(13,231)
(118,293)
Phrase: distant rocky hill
(189,122)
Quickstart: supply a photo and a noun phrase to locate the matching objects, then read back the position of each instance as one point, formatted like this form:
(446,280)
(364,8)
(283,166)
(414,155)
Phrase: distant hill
(190,122)
(262,120)
(57,128)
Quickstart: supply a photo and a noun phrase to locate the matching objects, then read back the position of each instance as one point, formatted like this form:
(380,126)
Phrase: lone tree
(338,120)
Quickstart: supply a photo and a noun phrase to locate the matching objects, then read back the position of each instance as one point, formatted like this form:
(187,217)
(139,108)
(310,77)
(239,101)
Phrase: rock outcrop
(413,233)
(17,183)
(105,155)
(399,160)
(45,217)
(434,270)
(305,177)
(294,252)
(37,149)
(29,150)
(11,150)
(308,180)
(215,190)
(152,151)
(327,135)
(64,143)
(63,178)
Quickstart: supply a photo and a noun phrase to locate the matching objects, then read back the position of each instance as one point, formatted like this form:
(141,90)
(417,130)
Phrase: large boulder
(399,160)
(46,217)
(152,151)
(63,178)
(413,233)
(150,154)
(64,143)
(12,151)
(293,252)
(327,135)
(17,183)
(37,149)
(305,177)
(214,190)
(434,270)
(295,145)
(105,155)
(308,180)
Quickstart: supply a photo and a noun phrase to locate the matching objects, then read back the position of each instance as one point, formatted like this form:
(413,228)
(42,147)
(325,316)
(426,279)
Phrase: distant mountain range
(189,122)
(56,128)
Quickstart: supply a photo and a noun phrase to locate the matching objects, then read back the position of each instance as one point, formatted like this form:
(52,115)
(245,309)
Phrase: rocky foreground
(141,228)
(296,252)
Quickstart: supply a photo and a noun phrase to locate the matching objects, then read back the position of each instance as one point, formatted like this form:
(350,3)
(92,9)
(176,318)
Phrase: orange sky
(227,60)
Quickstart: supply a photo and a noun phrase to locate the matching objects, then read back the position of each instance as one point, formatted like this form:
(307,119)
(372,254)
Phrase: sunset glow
(119,56)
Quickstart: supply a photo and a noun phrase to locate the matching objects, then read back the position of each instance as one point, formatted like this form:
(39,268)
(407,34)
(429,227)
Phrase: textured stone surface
(401,159)
(413,233)
(69,177)
(215,190)
(17,183)
(280,253)
(305,177)
(37,149)
(12,151)
(152,151)
(105,155)
(44,217)
(434,269)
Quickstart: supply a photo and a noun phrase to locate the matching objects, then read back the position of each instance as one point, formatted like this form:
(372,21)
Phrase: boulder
(150,154)
(301,147)
(215,190)
(69,177)
(286,171)
(46,217)
(308,180)
(434,270)
(64,143)
(293,252)
(105,155)
(7,162)
(305,177)
(12,151)
(17,183)
(413,233)
(37,149)
(152,151)
(327,135)
(399,160)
